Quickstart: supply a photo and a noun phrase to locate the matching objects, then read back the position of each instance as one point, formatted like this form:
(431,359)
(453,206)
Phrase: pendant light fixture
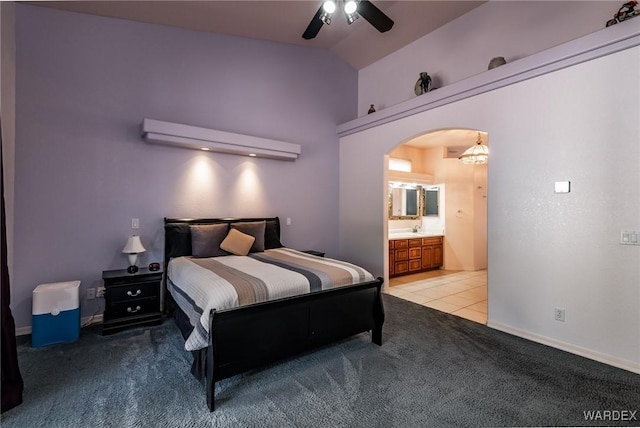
(477,154)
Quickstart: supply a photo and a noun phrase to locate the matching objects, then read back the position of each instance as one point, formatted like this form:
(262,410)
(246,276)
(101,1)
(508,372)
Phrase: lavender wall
(464,47)
(83,86)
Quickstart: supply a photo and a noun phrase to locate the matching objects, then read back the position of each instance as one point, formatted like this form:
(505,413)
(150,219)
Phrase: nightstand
(131,299)
(314,253)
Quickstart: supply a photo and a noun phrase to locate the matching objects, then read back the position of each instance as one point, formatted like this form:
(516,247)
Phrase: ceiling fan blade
(314,26)
(375,16)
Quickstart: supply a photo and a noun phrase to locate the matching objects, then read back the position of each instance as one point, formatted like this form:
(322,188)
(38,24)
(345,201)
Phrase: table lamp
(132,248)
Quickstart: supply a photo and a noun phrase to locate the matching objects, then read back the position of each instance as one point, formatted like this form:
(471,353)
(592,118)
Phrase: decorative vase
(497,62)
(423,85)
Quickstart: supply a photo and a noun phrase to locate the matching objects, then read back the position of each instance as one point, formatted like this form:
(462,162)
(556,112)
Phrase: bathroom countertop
(409,235)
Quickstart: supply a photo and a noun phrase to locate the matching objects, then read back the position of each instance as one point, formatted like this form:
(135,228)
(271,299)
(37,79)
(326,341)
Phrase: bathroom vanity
(414,252)
(419,248)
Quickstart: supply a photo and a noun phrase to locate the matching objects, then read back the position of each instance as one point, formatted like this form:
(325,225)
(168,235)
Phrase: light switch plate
(630,237)
(562,186)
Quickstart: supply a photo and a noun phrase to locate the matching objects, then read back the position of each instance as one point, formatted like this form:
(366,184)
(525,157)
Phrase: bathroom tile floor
(461,293)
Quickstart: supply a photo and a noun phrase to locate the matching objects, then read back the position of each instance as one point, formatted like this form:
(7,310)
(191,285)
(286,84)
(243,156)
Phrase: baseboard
(84,322)
(462,267)
(568,347)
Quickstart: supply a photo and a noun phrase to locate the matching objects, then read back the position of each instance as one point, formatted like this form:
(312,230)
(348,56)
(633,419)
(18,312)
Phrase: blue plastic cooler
(55,313)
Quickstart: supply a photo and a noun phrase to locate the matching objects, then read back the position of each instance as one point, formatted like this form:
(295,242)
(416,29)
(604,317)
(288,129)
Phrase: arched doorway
(438,251)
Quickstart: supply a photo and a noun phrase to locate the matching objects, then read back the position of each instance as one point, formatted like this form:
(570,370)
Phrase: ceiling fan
(352,9)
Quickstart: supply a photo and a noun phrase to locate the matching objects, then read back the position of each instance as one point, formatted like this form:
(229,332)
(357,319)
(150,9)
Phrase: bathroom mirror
(430,206)
(405,201)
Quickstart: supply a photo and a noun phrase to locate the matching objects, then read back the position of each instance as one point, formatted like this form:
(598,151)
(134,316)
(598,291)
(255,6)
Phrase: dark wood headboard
(177,236)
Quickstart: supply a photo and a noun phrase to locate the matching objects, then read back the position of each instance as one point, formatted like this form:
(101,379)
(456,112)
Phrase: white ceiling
(358,44)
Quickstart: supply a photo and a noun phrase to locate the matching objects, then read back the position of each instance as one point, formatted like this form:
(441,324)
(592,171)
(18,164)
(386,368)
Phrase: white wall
(545,250)
(464,47)
(480,217)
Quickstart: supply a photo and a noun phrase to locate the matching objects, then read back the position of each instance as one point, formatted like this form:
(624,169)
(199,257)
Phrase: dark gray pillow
(178,236)
(255,229)
(206,239)
(272,235)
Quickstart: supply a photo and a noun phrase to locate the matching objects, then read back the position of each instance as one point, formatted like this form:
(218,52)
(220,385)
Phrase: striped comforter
(199,285)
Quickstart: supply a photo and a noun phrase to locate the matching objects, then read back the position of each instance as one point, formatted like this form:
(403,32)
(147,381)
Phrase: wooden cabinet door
(402,254)
(391,263)
(427,257)
(401,267)
(415,253)
(437,256)
(415,265)
(415,242)
(401,243)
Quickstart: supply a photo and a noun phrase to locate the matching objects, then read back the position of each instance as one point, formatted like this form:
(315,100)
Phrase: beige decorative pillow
(237,243)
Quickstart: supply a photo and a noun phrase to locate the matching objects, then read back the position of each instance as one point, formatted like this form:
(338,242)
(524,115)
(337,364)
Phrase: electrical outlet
(559,314)
(100,292)
(91,293)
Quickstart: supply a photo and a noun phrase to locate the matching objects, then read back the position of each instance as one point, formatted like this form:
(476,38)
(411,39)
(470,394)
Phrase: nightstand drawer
(139,290)
(133,308)
(131,299)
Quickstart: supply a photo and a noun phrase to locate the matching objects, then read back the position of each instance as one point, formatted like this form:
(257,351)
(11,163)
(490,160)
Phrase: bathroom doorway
(459,284)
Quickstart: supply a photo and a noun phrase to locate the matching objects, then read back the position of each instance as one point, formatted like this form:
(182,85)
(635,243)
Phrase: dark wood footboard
(253,336)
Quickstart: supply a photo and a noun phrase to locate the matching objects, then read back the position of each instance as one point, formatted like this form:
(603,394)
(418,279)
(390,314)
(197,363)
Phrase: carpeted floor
(433,370)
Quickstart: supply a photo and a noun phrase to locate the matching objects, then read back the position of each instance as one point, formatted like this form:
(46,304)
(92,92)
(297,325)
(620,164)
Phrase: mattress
(201,284)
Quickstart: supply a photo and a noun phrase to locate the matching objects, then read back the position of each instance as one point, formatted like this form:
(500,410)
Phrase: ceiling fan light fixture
(353,9)
(326,18)
(329,6)
(477,154)
(351,17)
(350,7)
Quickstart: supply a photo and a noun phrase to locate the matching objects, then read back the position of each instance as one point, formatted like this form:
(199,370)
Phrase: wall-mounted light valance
(193,137)
(410,177)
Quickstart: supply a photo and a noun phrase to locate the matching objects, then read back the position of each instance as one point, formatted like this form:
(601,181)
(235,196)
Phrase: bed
(272,303)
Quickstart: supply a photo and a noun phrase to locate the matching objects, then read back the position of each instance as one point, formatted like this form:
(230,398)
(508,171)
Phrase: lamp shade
(477,154)
(134,245)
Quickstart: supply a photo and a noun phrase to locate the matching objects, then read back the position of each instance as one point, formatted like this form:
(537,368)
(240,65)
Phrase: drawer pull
(130,294)
(133,311)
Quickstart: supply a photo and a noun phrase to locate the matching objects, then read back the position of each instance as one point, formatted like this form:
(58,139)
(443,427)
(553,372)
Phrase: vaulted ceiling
(358,44)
